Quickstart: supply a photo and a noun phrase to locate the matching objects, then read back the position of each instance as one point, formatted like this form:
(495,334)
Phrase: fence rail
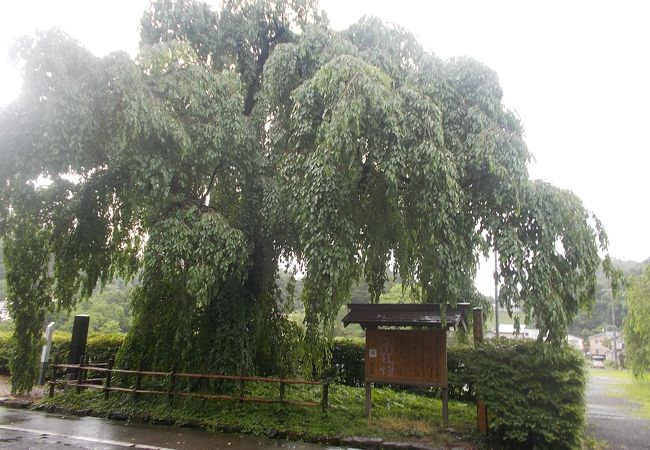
(82,382)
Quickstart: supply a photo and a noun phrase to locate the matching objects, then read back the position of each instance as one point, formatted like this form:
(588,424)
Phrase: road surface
(614,419)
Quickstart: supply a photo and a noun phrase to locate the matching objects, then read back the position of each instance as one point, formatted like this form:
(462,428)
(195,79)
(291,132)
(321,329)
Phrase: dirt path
(614,419)
(5,390)
(5,386)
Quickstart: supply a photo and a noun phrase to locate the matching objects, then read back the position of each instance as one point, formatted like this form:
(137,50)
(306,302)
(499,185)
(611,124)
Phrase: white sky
(577,73)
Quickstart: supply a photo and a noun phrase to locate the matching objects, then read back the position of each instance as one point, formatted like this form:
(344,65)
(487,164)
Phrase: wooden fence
(103,383)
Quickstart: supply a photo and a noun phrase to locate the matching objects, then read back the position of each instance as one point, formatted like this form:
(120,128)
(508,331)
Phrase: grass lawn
(399,416)
(490,323)
(637,390)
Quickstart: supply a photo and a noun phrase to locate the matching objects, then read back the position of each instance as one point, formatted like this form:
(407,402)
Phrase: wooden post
(53,374)
(368,387)
(282,387)
(107,386)
(138,379)
(445,406)
(477,322)
(172,385)
(242,387)
(204,381)
(481,409)
(82,361)
(326,396)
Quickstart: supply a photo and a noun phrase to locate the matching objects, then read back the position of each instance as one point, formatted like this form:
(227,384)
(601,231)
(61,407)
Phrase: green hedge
(5,352)
(348,356)
(99,348)
(535,393)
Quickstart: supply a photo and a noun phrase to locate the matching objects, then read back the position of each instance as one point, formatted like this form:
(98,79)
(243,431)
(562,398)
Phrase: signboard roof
(403,315)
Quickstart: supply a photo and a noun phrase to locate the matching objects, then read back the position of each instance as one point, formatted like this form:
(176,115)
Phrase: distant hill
(586,324)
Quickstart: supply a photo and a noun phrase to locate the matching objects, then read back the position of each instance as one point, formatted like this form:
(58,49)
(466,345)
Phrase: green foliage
(552,272)
(279,347)
(26,260)
(109,311)
(242,138)
(99,347)
(3,284)
(348,361)
(600,314)
(535,394)
(636,330)
(5,352)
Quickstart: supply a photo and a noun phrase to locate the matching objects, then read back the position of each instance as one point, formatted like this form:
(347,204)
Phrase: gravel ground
(613,419)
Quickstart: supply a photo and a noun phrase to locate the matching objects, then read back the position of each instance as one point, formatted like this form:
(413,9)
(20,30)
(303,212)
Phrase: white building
(576,342)
(4,313)
(507,330)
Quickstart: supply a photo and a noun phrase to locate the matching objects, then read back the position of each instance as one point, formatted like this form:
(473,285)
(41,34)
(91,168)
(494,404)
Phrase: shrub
(535,393)
(5,352)
(99,348)
(348,361)
(461,384)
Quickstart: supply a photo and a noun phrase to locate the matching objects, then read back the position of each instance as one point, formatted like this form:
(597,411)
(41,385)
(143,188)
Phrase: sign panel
(417,357)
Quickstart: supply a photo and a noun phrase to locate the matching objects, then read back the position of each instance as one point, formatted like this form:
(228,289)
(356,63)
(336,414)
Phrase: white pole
(496,292)
(45,354)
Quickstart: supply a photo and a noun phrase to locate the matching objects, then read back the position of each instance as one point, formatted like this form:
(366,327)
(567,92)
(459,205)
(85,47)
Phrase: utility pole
(496,292)
(614,331)
(611,292)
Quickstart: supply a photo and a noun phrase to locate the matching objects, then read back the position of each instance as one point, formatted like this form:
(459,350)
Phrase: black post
(82,361)
(78,342)
(107,387)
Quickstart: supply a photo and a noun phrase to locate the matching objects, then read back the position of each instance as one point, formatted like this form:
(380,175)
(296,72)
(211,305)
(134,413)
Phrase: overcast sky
(576,72)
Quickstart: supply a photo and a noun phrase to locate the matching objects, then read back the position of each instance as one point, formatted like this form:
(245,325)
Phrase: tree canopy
(256,135)
(636,327)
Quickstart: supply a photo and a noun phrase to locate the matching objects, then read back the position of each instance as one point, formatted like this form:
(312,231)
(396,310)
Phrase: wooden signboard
(414,357)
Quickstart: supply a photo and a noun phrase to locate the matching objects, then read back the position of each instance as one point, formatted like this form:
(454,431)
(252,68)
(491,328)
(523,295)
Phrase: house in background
(603,344)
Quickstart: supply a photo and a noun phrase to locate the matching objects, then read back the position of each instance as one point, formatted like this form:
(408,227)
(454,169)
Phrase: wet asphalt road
(613,419)
(22,430)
